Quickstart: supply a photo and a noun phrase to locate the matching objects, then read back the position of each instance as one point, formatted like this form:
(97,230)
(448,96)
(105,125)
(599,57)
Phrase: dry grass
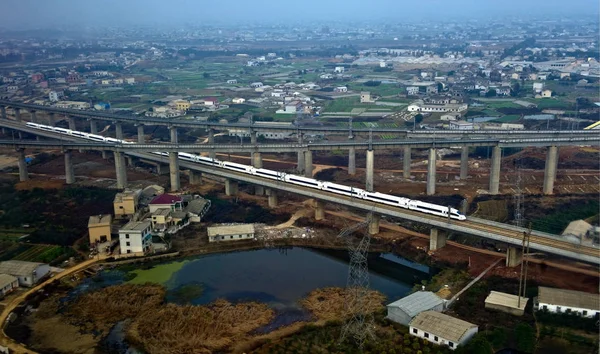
(105,307)
(173,329)
(328,303)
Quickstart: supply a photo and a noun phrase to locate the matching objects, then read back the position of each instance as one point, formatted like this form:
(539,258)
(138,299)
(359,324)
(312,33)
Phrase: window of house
(545,307)
(451,345)
(415,331)
(584,312)
(557,308)
(435,338)
(126,235)
(128,251)
(127,243)
(568,310)
(426,335)
(25,279)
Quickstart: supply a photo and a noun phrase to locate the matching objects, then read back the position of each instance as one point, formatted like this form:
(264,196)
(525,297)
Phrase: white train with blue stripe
(335,188)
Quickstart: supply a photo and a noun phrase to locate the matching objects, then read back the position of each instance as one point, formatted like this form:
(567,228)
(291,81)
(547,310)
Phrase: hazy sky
(40,13)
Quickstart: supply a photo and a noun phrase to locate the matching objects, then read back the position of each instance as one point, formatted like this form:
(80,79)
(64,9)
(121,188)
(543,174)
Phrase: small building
(101,106)
(461,125)
(28,273)
(230,232)
(365,97)
(538,87)
(578,229)
(135,237)
(130,80)
(339,69)
(182,105)
(546,93)
(340,89)
(404,310)
(99,228)
(125,203)
(442,329)
(256,84)
(238,100)
(564,301)
(168,201)
(506,303)
(232,82)
(450,116)
(197,208)
(412,90)
(8,284)
(161,219)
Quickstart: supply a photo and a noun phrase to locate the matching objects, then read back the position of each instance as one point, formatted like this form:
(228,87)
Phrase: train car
(112,140)
(342,189)
(263,172)
(207,161)
(303,181)
(435,209)
(387,199)
(94,137)
(62,131)
(186,157)
(236,167)
(78,134)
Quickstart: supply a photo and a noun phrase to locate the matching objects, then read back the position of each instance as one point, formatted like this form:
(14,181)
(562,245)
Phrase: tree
(491,93)
(525,336)
(205,75)
(515,90)
(477,345)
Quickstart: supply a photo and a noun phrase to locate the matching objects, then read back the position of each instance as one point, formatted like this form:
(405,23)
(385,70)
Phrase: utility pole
(526,255)
(521,274)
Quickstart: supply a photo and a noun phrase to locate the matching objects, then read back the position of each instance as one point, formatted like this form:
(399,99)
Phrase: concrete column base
(272,198)
(174,172)
(374,225)
(300,166)
(495,170)
(121,171)
(71,121)
(69,172)
(308,165)
(259,190)
(406,160)
(550,170)
(352,161)
(195,177)
(431,178)
(23,174)
(141,139)
(257,160)
(104,154)
(231,187)
(319,210)
(369,171)
(437,239)
(464,163)
(119,131)
(514,256)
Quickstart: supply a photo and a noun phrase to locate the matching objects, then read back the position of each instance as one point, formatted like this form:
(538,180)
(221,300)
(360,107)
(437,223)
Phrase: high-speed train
(406,203)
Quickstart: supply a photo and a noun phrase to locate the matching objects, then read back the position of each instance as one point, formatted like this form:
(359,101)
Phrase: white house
(450,116)
(462,126)
(238,100)
(8,283)
(28,273)
(232,82)
(538,87)
(339,69)
(340,89)
(404,310)
(256,84)
(326,76)
(442,329)
(567,301)
(54,96)
(546,93)
(130,80)
(230,232)
(135,237)
(412,90)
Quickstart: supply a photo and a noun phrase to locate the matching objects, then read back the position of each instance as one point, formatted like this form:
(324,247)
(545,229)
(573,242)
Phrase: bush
(525,337)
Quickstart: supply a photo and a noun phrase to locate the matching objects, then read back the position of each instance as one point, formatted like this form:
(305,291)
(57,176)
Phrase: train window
(383,199)
(338,189)
(306,182)
(236,167)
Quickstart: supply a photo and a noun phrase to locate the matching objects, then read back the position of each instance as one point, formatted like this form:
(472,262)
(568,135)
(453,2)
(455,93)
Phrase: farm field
(40,253)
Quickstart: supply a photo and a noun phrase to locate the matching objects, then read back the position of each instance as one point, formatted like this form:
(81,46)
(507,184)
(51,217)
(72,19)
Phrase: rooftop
(196,206)
(569,298)
(166,199)
(119,197)
(136,226)
(577,228)
(18,268)
(230,230)
(6,279)
(504,299)
(447,327)
(162,211)
(100,220)
(418,302)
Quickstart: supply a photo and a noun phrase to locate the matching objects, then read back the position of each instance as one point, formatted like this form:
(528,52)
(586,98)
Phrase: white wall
(563,309)
(137,241)
(230,237)
(442,341)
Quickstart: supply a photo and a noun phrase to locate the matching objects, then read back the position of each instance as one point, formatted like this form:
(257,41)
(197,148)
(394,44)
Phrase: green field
(345,104)
(496,105)
(508,118)
(550,103)
(40,253)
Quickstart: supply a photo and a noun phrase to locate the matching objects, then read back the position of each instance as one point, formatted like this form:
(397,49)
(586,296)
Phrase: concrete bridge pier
(211,140)
(174,171)
(374,224)
(17,114)
(514,256)
(3,112)
(33,115)
(71,121)
(23,175)
(319,210)
(93,126)
(257,160)
(272,198)
(69,171)
(51,119)
(369,170)
(195,177)
(300,167)
(231,187)
(121,171)
(119,131)
(352,161)
(550,171)
(437,239)
(406,163)
(464,163)
(495,170)
(104,154)
(141,138)
(308,164)
(431,171)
